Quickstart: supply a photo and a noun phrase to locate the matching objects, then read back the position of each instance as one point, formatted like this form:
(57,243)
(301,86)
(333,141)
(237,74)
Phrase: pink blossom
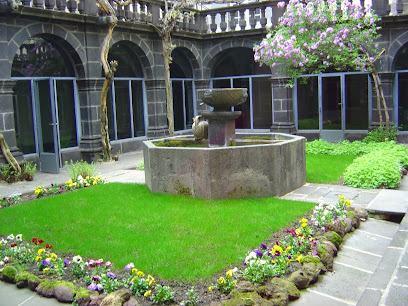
(281,4)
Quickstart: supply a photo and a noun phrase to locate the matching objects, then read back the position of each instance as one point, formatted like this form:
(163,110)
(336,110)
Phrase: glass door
(47,127)
(331,105)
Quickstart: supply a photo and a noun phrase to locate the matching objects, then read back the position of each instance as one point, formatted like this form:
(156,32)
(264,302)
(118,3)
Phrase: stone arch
(140,47)
(398,49)
(58,36)
(219,50)
(192,54)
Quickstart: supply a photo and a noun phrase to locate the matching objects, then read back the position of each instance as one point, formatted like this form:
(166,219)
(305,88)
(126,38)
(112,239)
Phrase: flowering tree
(314,35)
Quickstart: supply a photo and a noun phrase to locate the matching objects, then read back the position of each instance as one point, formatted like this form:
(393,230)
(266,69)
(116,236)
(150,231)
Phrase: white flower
(323,218)
(251,256)
(10,237)
(6,259)
(77,259)
(2,241)
(1,263)
(316,223)
(80,178)
(235,270)
(19,237)
(262,262)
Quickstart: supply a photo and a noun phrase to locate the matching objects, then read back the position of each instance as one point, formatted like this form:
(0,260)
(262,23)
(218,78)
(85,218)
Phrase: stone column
(387,81)
(89,92)
(282,107)
(157,110)
(7,126)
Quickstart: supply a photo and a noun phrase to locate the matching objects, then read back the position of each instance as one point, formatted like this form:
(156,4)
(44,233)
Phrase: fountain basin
(257,170)
(223,98)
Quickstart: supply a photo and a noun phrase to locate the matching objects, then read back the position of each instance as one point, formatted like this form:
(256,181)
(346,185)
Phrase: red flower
(35,240)
(48,246)
(13,245)
(40,241)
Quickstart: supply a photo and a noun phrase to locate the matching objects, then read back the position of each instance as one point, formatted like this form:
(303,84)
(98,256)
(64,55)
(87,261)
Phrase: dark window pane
(243,121)
(111,122)
(356,102)
(308,104)
(137,104)
(188,91)
(262,103)
(128,62)
(66,113)
(331,103)
(403,101)
(122,104)
(178,101)
(45,112)
(23,117)
(180,66)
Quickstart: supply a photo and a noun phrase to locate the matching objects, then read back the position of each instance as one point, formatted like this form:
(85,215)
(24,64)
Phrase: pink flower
(99,261)
(108,264)
(281,4)
(92,263)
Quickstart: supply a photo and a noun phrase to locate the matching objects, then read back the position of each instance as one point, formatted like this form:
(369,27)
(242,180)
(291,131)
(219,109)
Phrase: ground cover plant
(379,164)
(126,223)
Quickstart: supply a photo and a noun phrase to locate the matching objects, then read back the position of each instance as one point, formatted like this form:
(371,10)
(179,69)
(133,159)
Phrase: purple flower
(263,246)
(66,262)
(110,275)
(259,253)
(129,266)
(45,262)
(96,278)
(99,287)
(92,286)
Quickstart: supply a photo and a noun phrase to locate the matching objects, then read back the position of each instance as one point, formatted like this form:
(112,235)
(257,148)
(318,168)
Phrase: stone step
(356,263)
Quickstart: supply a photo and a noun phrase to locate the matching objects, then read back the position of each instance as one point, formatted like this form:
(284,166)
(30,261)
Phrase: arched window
(45,98)
(182,83)
(126,111)
(236,68)
(401,66)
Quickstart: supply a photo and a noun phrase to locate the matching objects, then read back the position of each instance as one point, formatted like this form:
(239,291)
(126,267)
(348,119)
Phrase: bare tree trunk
(7,154)
(169,97)
(380,97)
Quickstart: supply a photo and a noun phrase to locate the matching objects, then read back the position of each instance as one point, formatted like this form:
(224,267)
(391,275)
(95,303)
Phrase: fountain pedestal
(221,127)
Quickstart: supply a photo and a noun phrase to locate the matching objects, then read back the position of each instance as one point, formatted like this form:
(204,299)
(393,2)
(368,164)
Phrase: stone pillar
(157,110)
(282,107)
(7,126)
(89,91)
(387,81)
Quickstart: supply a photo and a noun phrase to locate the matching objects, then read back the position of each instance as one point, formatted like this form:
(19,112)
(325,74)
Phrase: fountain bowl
(223,98)
(256,170)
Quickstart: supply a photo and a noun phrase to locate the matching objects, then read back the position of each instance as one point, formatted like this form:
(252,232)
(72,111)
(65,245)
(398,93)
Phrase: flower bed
(275,271)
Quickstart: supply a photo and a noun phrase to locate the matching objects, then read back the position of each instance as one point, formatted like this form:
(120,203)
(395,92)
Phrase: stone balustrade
(242,17)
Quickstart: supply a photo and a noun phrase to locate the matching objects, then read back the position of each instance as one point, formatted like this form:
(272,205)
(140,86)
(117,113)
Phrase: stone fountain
(227,165)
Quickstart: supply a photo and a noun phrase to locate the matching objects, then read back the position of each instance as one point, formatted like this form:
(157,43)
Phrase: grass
(165,235)
(327,169)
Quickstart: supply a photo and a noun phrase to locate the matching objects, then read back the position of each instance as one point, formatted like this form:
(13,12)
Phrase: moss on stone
(351,214)
(82,293)
(9,273)
(334,238)
(258,137)
(310,258)
(23,276)
(46,284)
(65,284)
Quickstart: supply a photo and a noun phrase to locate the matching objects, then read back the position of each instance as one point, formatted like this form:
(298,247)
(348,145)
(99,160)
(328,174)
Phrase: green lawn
(323,168)
(164,235)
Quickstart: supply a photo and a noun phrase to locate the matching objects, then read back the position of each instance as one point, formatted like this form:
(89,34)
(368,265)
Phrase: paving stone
(401,278)
(370,297)
(309,297)
(364,198)
(399,240)
(361,260)
(320,192)
(305,189)
(396,296)
(333,196)
(395,201)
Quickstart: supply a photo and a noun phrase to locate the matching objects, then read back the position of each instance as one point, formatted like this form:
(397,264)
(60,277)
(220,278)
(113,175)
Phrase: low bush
(80,168)
(381,134)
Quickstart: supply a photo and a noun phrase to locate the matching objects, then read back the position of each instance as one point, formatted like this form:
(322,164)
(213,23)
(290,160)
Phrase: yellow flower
(148,293)
(37,191)
(221,280)
(38,258)
(348,203)
(304,220)
(341,197)
(304,224)
(298,231)
(140,274)
(54,256)
(1,244)
(40,251)
(288,247)
(276,249)
(94,183)
(151,280)
(134,271)
(46,270)
(229,273)
(210,288)
(299,258)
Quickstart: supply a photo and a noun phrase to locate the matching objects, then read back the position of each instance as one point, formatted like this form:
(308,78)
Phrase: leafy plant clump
(8,174)
(382,133)
(80,169)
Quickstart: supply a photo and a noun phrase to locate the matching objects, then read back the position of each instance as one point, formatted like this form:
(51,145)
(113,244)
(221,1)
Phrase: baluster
(128,12)
(120,12)
(381,7)
(263,20)
(252,21)
(49,4)
(233,21)
(142,11)
(61,5)
(277,12)
(242,22)
(81,7)
(72,5)
(400,7)
(136,8)
(213,25)
(223,23)
(149,16)
(26,2)
(38,3)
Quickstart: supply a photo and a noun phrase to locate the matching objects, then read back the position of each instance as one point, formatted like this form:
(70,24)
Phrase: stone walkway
(370,269)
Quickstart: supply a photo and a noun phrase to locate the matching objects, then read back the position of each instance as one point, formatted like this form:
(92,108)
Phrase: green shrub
(9,273)
(382,133)
(28,169)
(374,170)
(80,168)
